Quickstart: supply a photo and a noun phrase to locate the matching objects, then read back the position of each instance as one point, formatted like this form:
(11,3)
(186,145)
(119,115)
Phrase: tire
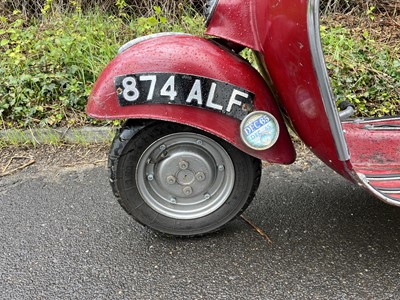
(178,180)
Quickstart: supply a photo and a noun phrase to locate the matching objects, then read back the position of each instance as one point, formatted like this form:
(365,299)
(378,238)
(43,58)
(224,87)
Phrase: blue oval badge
(259,130)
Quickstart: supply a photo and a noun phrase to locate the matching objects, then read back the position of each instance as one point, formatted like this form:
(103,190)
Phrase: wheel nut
(183,165)
(187,190)
(163,147)
(150,177)
(171,179)
(200,176)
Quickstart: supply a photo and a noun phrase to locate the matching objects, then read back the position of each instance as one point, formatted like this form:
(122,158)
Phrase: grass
(364,64)
(14,137)
(48,136)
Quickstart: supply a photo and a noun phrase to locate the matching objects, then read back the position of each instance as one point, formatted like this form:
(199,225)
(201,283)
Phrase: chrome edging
(382,127)
(138,40)
(211,9)
(314,37)
(376,120)
(389,191)
(383,178)
(372,190)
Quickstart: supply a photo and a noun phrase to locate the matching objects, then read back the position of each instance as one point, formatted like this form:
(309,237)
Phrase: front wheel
(180,181)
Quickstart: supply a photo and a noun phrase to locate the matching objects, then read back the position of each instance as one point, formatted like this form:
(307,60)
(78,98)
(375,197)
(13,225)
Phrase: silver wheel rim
(185,176)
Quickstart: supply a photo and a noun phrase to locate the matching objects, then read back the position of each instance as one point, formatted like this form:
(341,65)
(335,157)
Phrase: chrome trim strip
(388,191)
(377,120)
(148,37)
(386,178)
(379,195)
(382,127)
(209,10)
(328,99)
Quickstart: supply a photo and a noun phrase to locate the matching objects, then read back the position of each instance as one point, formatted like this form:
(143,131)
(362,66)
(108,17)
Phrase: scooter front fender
(186,54)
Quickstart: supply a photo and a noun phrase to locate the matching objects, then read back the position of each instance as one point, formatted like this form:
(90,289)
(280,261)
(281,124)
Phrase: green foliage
(47,69)
(193,24)
(156,23)
(363,71)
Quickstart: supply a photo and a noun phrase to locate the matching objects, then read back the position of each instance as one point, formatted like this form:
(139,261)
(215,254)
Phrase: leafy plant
(148,25)
(362,71)
(48,68)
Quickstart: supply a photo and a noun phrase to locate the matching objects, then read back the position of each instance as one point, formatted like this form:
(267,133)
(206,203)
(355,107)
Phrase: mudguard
(193,56)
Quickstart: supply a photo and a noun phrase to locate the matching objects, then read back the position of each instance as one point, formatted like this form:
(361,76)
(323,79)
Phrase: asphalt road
(63,236)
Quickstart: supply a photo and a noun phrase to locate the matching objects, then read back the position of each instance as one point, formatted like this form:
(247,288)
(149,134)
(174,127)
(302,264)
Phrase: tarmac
(64,236)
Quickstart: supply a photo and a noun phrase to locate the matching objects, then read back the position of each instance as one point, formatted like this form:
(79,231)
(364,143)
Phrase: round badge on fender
(259,130)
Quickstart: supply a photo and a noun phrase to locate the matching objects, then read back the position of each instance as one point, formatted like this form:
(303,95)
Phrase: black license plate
(182,89)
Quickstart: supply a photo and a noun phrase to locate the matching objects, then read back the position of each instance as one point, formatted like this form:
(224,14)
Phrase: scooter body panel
(294,75)
(238,21)
(194,56)
(281,35)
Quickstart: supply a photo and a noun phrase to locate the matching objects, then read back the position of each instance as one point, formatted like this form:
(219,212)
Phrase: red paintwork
(196,56)
(283,41)
(236,21)
(292,72)
(376,151)
(387,184)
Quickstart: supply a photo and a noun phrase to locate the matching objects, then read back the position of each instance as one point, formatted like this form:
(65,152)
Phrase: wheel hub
(185,175)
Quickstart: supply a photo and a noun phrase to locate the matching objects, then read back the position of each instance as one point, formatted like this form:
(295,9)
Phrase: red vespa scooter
(201,118)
